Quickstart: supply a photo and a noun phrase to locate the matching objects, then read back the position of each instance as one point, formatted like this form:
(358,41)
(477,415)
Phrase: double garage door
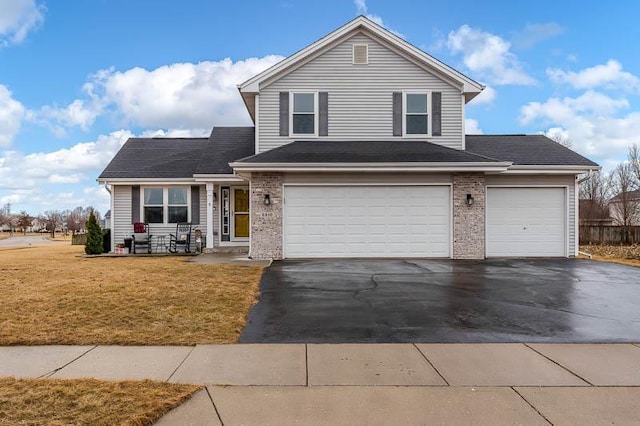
(415,221)
(367,221)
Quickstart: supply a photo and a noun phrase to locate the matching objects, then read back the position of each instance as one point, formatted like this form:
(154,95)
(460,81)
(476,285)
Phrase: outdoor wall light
(267,199)
(469,200)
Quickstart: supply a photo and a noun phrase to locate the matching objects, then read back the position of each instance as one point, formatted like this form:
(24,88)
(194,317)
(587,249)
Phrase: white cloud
(11,114)
(181,95)
(485,97)
(594,122)
(176,133)
(472,127)
(78,113)
(533,34)
(17,19)
(488,56)
(607,76)
(362,9)
(68,165)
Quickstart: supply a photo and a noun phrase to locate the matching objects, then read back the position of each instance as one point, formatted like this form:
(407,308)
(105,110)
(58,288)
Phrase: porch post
(210,214)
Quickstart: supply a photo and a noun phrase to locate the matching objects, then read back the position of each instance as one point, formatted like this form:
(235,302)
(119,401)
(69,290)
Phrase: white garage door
(526,222)
(366,221)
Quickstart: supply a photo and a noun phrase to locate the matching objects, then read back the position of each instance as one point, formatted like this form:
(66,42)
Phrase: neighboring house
(358,150)
(105,222)
(624,208)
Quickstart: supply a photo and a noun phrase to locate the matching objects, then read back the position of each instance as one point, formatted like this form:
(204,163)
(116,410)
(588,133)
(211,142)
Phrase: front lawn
(87,401)
(626,255)
(51,295)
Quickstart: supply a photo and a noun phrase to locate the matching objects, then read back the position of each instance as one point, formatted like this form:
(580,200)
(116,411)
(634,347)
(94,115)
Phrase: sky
(77,78)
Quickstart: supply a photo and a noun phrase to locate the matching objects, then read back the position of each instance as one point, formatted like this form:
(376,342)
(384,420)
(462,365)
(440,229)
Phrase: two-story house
(358,149)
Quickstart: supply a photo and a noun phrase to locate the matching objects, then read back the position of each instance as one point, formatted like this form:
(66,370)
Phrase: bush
(94,236)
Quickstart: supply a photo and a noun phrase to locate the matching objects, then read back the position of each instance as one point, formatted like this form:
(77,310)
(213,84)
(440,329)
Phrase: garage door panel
(528,222)
(367,221)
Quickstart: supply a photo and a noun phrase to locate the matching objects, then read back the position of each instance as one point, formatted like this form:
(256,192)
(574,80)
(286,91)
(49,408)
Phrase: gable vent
(360,54)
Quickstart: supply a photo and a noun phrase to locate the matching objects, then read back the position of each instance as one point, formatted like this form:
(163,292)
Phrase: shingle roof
(156,158)
(170,158)
(226,144)
(365,152)
(536,150)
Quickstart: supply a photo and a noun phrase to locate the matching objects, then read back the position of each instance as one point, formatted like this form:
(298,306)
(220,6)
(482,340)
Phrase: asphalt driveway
(501,300)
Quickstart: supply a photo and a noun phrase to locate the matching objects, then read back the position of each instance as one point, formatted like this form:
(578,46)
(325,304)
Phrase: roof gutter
(540,169)
(495,167)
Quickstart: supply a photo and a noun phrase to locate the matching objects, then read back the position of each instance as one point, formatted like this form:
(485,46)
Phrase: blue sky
(77,78)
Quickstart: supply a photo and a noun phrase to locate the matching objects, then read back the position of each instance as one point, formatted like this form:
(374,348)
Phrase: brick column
(266,221)
(468,221)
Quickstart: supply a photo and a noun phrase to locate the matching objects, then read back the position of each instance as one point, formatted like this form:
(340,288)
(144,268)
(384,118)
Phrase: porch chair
(182,237)
(141,236)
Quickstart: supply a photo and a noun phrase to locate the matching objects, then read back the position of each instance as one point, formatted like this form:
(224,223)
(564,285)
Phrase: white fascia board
(217,178)
(145,181)
(369,167)
(469,85)
(570,170)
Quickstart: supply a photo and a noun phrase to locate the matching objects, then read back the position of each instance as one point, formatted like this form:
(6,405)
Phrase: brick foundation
(468,221)
(266,221)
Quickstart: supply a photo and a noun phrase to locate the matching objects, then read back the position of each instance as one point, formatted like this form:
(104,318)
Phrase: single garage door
(526,222)
(366,221)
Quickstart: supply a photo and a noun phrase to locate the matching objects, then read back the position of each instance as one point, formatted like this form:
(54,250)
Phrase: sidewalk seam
(431,364)
(560,365)
(206,388)
(531,405)
(51,373)
(306,363)
(180,365)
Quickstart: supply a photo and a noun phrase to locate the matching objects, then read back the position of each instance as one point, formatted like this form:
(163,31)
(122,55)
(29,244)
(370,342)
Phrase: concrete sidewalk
(367,383)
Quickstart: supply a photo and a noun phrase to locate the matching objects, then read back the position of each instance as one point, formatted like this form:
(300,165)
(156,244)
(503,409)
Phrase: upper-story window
(417,108)
(170,203)
(304,120)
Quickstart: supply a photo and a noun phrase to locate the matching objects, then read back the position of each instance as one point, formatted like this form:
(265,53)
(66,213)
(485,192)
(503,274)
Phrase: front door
(240,213)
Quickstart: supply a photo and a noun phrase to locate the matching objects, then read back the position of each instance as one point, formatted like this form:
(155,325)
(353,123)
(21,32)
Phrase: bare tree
(625,206)
(594,195)
(561,139)
(24,221)
(634,160)
(53,219)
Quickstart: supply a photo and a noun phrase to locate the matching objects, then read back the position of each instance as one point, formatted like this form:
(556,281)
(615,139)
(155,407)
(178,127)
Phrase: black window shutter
(323,105)
(135,204)
(397,114)
(284,113)
(195,205)
(436,107)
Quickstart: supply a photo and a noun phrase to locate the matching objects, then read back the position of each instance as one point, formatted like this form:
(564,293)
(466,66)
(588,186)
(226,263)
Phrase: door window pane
(153,196)
(241,228)
(241,200)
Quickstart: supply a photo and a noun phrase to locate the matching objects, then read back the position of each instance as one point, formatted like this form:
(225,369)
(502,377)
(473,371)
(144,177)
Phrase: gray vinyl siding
(562,180)
(360,96)
(123,223)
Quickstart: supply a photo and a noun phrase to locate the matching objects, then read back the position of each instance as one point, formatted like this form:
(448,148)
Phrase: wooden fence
(79,240)
(609,234)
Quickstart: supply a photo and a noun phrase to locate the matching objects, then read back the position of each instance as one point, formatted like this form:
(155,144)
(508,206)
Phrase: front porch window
(166,205)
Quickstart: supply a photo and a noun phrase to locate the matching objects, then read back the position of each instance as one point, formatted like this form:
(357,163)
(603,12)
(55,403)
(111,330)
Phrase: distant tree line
(52,221)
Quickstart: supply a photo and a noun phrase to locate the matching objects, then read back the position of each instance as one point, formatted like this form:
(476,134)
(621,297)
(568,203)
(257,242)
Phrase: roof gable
(470,87)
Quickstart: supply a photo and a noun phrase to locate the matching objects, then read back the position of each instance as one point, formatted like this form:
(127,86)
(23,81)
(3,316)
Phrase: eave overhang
(489,167)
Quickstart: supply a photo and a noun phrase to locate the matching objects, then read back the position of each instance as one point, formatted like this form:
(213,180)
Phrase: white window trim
(316,115)
(353,53)
(165,203)
(404,114)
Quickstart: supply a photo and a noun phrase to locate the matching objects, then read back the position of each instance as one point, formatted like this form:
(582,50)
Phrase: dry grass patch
(87,401)
(50,295)
(625,255)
